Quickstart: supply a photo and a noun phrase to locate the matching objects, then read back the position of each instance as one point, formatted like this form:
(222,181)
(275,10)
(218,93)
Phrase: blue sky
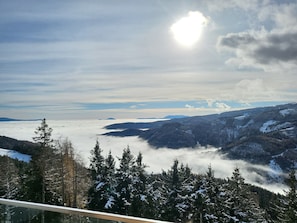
(99,59)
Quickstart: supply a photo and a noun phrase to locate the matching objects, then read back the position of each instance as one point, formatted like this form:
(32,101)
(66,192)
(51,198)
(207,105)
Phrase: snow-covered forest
(56,175)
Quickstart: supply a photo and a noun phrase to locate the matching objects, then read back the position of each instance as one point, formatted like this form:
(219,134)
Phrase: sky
(89,59)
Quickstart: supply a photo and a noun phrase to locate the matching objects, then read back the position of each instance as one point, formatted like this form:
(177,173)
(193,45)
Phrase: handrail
(77,211)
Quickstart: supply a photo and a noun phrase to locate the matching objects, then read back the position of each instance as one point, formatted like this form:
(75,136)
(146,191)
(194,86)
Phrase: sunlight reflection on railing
(21,211)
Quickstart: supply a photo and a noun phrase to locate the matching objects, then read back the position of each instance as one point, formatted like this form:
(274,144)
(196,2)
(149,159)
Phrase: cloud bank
(83,135)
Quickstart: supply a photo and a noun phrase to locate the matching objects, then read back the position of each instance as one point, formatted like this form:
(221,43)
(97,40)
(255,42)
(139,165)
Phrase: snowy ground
(15,155)
(84,133)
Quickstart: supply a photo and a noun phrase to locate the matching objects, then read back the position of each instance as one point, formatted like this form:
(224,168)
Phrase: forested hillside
(55,175)
(264,135)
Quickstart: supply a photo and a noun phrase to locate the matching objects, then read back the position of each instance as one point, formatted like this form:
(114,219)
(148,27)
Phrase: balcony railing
(22,211)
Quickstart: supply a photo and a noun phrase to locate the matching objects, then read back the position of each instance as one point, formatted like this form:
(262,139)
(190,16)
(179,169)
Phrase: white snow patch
(250,122)
(15,155)
(266,126)
(242,117)
(142,197)
(286,112)
(270,126)
(101,184)
(109,202)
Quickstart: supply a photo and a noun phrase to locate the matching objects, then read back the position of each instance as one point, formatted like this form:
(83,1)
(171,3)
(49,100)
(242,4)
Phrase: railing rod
(77,211)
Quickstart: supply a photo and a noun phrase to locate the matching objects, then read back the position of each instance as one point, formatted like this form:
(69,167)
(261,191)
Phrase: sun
(187,30)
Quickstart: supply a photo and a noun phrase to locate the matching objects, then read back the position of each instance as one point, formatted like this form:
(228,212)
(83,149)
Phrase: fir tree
(96,168)
(240,203)
(124,177)
(109,184)
(43,135)
(212,195)
(96,162)
(156,196)
(288,205)
(43,138)
(42,162)
(186,196)
(173,185)
(178,191)
(139,193)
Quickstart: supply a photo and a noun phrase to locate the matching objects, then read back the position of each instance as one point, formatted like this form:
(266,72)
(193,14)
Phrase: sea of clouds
(84,133)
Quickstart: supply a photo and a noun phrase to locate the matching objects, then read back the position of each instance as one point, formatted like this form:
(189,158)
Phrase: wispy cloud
(71,53)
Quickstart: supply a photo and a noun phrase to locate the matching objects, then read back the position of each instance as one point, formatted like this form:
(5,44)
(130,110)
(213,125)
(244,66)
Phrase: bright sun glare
(187,30)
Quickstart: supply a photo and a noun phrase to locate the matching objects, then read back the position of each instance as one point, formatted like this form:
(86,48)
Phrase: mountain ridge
(265,135)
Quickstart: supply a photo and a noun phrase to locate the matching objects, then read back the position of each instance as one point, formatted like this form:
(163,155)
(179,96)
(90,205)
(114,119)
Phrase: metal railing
(77,211)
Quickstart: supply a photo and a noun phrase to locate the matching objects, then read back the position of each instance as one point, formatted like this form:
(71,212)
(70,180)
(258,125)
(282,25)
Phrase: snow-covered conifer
(97,168)
(240,203)
(287,209)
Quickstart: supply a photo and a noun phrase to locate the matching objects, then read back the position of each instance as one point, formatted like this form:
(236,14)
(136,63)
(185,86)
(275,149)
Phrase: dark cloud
(278,47)
(235,40)
(262,48)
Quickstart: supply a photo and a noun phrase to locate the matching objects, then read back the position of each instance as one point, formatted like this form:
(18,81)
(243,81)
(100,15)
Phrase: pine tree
(95,200)
(186,196)
(124,177)
(288,205)
(42,162)
(43,135)
(240,203)
(139,193)
(178,191)
(173,188)
(109,185)
(198,200)
(156,196)
(96,162)
(43,138)
(212,195)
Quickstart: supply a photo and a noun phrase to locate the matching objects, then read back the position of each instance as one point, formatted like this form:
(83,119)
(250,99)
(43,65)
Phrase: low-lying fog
(84,133)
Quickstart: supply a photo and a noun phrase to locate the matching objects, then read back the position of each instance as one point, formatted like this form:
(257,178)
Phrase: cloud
(189,106)
(272,46)
(215,5)
(270,51)
(217,105)
(221,107)
(64,54)
(251,89)
(84,133)
(282,15)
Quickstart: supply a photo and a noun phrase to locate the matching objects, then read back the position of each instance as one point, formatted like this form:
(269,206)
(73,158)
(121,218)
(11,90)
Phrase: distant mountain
(266,135)
(5,119)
